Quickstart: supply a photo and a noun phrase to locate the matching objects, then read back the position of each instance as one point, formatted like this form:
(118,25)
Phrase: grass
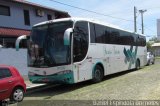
(157,57)
(151,67)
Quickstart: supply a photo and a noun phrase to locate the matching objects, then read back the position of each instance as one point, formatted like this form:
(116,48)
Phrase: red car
(12,84)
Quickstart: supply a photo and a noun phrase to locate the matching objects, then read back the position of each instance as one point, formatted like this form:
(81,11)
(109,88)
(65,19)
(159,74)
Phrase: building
(156,49)
(18,16)
(158,29)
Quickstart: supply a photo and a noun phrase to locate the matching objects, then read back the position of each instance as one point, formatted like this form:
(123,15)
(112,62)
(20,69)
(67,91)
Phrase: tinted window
(100,33)
(46,48)
(107,35)
(122,38)
(135,39)
(26,17)
(92,33)
(1,74)
(80,41)
(4,73)
(49,17)
(144,41)
(115,36)
(104,34)
(126,38)
(4,10)
(141,41)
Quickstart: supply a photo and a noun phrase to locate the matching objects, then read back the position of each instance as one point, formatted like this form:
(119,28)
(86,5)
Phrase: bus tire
(137,64)
(98,74)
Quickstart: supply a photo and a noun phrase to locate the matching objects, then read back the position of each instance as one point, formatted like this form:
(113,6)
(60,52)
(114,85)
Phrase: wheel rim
(18,95)
(98,74)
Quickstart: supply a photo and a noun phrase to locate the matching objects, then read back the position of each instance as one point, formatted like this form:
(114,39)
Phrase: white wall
(15,58)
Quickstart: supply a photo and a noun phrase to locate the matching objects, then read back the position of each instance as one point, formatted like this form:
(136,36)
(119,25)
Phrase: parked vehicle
(72,50)
(150,58)
(12,84)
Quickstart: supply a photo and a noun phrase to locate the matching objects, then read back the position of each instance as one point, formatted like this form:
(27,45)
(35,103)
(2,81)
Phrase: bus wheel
(98,74)
(137,65)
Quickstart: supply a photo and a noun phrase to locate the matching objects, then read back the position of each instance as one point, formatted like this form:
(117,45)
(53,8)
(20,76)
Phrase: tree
(149,45)
(155,39)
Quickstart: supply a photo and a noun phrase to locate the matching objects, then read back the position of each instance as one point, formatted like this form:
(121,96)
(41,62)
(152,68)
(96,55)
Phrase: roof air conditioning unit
(40,13)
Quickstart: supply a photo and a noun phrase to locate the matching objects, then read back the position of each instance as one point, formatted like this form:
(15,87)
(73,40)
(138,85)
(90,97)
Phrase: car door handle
(10,81)
(2,91)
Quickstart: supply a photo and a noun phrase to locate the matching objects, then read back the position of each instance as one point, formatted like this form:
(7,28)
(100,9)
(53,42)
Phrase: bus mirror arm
(18,41)
(67,35)
(27,37)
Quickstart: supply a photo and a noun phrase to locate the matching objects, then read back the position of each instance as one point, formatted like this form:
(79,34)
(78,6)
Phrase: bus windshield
(46,46)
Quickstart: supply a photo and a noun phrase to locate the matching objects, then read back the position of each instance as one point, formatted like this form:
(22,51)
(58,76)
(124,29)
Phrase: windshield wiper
(39,58)
(49,60)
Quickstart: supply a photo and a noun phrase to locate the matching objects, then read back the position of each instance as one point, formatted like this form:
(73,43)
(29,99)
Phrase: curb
(35,86)
(39,87)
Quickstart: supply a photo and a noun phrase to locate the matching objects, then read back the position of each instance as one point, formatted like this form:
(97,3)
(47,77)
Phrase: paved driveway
(143,84)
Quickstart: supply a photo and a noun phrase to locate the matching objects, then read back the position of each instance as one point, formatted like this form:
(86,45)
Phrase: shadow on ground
(52,90)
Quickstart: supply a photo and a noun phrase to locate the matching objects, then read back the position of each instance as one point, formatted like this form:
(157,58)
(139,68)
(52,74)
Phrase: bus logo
(130,55)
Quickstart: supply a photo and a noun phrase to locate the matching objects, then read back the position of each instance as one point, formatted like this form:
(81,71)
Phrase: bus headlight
(64,72)
(31,74)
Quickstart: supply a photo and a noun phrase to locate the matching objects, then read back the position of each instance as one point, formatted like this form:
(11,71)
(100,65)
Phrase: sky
(121,9)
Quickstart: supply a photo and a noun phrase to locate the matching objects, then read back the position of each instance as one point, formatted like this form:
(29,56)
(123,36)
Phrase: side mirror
(18,41)
(1,46)
(67,35)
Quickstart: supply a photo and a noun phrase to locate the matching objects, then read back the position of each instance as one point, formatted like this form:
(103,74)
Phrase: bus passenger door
(82,64)
(83,70)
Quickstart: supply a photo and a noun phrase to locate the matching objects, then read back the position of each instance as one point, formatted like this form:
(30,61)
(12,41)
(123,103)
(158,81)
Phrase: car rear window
(4,73)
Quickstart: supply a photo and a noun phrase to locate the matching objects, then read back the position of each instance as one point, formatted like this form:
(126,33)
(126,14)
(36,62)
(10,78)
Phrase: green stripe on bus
(62,78)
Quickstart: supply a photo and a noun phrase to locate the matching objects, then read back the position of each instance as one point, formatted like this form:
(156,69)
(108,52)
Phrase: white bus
(72,50)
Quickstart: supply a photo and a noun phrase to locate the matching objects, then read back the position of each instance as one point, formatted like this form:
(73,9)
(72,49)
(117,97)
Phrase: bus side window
(92,33)
(114,39)
(80,41)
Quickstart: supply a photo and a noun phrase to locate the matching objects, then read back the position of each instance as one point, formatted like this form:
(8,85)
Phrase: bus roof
(85,19)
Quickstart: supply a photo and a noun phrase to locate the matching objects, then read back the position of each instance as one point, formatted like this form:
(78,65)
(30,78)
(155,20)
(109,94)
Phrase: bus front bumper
(66,78)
